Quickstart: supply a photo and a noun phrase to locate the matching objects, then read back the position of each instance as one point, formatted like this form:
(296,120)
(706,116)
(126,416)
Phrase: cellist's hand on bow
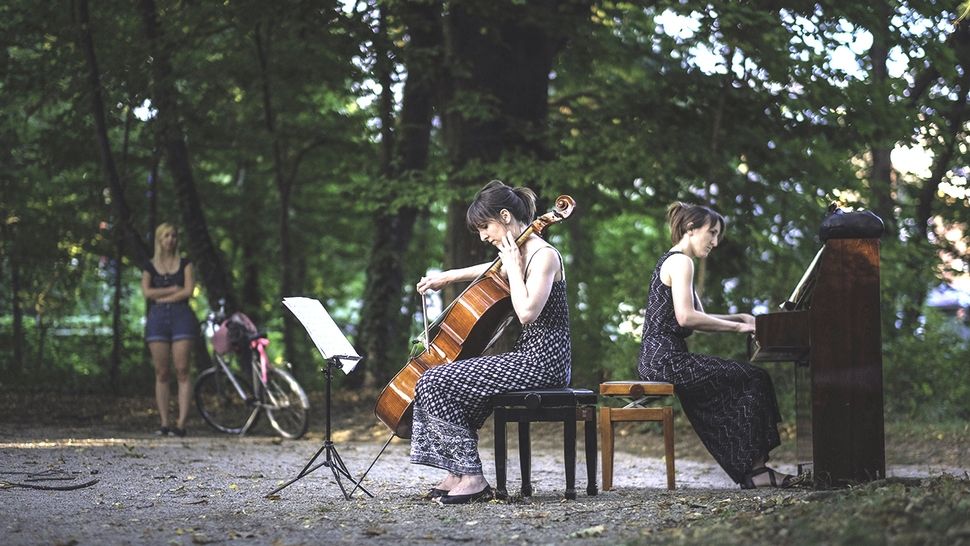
(432,282)
(512,258)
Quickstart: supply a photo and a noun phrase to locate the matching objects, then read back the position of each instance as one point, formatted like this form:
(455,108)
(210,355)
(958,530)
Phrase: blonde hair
(683,217)
(160,231)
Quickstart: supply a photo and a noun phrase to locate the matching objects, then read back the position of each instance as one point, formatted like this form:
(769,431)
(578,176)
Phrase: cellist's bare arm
(530,288)
(437,281)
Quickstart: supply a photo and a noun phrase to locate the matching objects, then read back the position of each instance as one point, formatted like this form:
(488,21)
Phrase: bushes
(75,359)
(925,375)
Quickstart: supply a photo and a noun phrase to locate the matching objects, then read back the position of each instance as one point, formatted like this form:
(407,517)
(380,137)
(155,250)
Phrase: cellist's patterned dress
(730,404)
(451,401)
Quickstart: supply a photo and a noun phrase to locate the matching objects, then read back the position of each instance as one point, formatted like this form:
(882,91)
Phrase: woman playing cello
(451,400)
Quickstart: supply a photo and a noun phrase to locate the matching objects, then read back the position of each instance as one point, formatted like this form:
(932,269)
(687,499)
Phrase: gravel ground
(210,488)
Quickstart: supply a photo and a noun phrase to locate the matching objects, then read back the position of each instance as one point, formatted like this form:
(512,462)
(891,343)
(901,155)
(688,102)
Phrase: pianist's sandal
(748,482)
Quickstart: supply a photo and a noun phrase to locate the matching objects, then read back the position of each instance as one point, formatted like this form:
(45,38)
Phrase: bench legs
(668,418)
(609,416)
(606,444)
(589,428)
(569,455)
(525,459)
(501,452)
(568,418)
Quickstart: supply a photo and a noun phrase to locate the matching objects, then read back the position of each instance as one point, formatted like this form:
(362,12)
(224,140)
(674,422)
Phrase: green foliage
(924,373)
(769,133)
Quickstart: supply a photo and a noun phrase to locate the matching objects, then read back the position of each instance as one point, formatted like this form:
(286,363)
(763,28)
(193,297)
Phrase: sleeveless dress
(730,404)
(451,400)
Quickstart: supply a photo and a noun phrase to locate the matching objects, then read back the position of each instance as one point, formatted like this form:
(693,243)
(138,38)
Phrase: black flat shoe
(163,431)
(180,432)
(434,493)
(484,495)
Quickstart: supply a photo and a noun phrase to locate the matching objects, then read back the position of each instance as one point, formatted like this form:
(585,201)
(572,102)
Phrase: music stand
(339,353)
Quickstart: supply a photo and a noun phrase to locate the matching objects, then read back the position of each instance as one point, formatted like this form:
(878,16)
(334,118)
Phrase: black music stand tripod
(332,458)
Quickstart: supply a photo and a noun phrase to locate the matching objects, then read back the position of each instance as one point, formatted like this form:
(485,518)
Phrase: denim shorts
(170,322)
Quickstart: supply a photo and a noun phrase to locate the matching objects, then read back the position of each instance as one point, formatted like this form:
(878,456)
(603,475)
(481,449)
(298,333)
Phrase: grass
(894,511)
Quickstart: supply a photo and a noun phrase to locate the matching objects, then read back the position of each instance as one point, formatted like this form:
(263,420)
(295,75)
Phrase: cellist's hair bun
(495,196)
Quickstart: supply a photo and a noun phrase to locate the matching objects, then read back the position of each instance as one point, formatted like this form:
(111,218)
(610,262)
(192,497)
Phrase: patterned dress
(730,404)
(451,401)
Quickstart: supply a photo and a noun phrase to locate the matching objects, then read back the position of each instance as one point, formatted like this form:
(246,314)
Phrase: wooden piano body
(832,333)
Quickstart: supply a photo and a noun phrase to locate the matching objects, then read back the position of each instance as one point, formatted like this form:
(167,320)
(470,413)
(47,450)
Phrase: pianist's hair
(683,217)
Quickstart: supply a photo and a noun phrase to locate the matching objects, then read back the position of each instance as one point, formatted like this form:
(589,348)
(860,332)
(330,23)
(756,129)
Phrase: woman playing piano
(730,404)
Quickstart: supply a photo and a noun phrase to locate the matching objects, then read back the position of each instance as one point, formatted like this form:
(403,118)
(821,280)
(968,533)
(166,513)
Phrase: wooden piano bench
(637,395)
(558,405)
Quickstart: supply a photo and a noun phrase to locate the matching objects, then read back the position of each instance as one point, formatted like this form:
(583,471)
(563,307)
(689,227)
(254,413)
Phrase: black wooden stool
(524,407)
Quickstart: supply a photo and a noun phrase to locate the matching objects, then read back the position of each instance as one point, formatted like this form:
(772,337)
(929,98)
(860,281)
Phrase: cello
(465,329)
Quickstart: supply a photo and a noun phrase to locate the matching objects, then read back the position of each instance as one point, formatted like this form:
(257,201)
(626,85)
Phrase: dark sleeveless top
(160,280)
(660,326)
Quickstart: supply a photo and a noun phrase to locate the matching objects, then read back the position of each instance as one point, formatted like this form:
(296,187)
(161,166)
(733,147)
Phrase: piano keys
(831,330)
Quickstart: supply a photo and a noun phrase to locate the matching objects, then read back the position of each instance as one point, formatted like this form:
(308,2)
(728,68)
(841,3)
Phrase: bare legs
(449,482)
(180,352)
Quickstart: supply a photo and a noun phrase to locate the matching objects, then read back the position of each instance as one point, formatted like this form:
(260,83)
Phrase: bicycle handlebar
(218,316)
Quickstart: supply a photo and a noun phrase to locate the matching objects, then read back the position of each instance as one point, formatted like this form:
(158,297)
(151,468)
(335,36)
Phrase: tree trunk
(251,294)
(942,161)
(284,187)
(136,248)
(960,42)
(204,254)
(153,199)
(41,342)
(383,328)
(17,312)
(881,177)
(117,327)
(379,319)
(500,56)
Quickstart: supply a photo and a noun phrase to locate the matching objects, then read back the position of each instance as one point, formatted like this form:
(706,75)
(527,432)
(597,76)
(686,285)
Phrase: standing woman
(167,283)
(730,404)
(451,401)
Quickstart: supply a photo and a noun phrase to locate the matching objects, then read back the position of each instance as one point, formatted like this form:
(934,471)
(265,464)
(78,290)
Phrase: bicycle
(231,403)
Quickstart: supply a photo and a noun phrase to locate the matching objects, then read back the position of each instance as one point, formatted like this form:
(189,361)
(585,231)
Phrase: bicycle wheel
(287,406)
(220,403)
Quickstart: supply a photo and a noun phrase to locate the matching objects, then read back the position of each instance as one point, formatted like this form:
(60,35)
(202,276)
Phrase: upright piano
(830,329)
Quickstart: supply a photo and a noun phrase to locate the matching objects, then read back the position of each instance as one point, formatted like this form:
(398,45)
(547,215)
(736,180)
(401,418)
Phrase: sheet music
(795,294)
(328,338)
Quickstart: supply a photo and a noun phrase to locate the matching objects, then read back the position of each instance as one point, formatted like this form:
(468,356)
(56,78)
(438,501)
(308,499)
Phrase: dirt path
(210,488)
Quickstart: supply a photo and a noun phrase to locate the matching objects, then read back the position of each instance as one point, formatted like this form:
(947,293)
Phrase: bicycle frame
(261,397)
(269,389)
(259,346)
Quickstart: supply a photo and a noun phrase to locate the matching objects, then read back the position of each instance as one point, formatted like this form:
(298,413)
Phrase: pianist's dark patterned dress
(451,401)
(730,404)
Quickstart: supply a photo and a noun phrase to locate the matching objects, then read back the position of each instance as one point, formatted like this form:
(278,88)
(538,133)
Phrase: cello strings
(424,315)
